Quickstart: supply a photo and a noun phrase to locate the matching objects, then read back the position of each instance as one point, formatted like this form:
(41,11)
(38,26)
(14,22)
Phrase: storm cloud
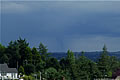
(76,25)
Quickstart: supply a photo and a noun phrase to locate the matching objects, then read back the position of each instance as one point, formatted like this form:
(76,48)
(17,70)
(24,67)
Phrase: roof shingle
(6,69)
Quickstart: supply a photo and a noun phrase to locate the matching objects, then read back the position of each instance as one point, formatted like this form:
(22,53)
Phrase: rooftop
(6,69)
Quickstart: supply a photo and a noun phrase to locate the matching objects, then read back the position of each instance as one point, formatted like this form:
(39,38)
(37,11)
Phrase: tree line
(29,61)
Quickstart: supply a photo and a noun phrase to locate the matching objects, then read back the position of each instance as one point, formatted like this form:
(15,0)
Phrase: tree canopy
(18,54)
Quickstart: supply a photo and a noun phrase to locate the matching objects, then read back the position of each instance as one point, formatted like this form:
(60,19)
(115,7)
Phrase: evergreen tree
(83,68)
(104,63)
(2,49)
(114,63)
(94,71)
(3,56)
(63,63)
(13,54)
(70,60)
(43,51)
(28,55)
(4,59)
(40,67)
(53,62)
(29,69)
(36,56)
(22,43)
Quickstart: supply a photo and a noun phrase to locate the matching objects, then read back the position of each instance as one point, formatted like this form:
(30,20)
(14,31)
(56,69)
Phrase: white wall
(10,76)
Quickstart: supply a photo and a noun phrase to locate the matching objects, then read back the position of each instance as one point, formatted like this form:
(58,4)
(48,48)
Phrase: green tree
(70,57)
(51,74)
(63,75)
(93,70)
(4,59)
(36,56)
(29,69)
(3,56)
(104,63)
(63,63)
(2,49)
(21,71)
(71,66)
(53,62)
(28,77)
(114,63)
(43,51)
(23,46)
(83,67)
(40,67)
(13,54)
(28,55)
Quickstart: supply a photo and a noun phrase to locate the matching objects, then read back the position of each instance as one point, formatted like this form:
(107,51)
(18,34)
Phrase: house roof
(6,69)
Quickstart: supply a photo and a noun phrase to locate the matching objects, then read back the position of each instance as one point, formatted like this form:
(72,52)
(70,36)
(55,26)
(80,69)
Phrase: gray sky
(63,25)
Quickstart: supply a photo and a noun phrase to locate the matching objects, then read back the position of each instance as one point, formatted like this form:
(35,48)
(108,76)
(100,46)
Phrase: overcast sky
(62,25)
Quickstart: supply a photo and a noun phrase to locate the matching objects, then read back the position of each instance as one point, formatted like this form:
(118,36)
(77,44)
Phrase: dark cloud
(62,25)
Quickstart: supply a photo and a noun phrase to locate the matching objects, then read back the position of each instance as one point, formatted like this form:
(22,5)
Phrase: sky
(62,25)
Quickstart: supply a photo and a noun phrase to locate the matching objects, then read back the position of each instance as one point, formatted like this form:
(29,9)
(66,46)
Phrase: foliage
(43,51)
(104,63)
(4,59)
(71,66)
(83,67)
(51,73)
(2,49)
(3,56)
(40,66)
(53,62)
(21,71)
(22,43)
(63,64)
(29,69)
(28,77)
(13,54)
(29,61)
(36,56)
(70,57)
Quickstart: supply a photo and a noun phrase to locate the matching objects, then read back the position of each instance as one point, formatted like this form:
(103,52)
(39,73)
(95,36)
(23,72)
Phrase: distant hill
(90,55)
